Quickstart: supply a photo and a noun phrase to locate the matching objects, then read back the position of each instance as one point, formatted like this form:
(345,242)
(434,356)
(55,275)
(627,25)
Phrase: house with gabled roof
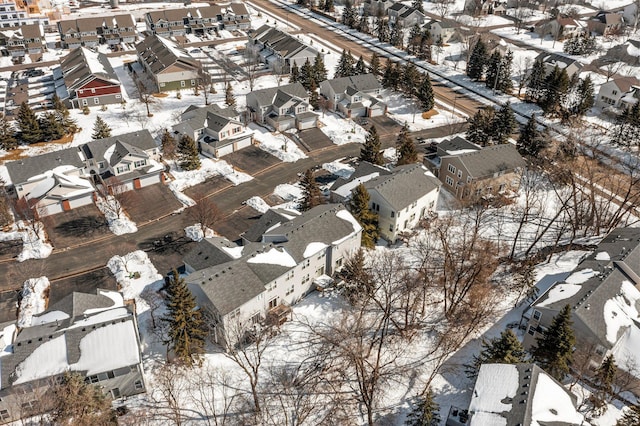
(94,335)
(25,40)
(612,93)
(443,30)
(86,78)
(168,65)
(517,394)
(355,96)
(552,60)
(377,7)
(265,278)
(119,29)
(279,50)
(199,19)
(560,28)
(167,22)
(606,23)
(282,108)
(217,131)
(627,52)
(604,294)
(404,15)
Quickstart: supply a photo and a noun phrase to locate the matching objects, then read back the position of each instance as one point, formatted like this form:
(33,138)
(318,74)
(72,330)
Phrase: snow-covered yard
(341,130)
(277,144)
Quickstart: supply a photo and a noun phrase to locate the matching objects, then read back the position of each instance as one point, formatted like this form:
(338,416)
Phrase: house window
(468,179)
(29,405)
(273,302)
(234,314)
(319,271)
(391,228)
(122,169)
(614,92)
(182,84)
(393,214)
(84,102)
(459,174)
(115,393)
(193,82)
(537,315)
(449,180)
(452,168)
(92,379)
(140,163)
(80,91)
(118,96)
(162,84)
(4,415)
(101,165)
(289,290)
(531,330)
(93,90)
(138,385)
(96,101)
(255,318)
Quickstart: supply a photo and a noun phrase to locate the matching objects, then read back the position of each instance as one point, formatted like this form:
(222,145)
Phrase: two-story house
(167,22)
(606,23)
(168,65)
(86,78)
(552,60)
(441,31)
(604,294)
(14,14)
(91,31)
(560,28)
(119,29)
(246,284)
(26,40)
(199,19)
(218,131)
(282,108)
(377,7)
(355,96)
(279,50)
(94,335)
(404,15)
(613,91)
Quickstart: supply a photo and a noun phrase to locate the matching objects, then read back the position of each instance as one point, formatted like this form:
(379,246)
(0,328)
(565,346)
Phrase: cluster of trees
(411,81)
(626,131)
(420,42)
(309,75)
(495,69)
(348,66)
(185,150)
(584,44)
(491,127)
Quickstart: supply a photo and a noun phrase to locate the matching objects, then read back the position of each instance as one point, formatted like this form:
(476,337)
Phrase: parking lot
(65,229)
(251,159)
(149,203)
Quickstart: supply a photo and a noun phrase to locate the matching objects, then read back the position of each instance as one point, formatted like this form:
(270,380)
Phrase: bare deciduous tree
(205,213)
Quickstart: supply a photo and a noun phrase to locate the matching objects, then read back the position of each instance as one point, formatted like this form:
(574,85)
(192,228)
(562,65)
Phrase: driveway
(65,229)
(315,139)
(210,186)
(85,283)
(251,159)
(149,203)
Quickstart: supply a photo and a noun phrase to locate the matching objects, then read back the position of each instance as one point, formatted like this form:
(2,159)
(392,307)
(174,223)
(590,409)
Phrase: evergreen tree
(358,279)
(414,43)
(493,70)
(505,349)
(187,331)
(101,129)
(349,15)
(229,98)
(319,70)
(417,4)
(188,153)
(345,65)
(425,412)
(28,125)
(504,124)
(313,95)
(631,416)
(556,86)
(360,67)
(536,82)
(51,126)
(626,131)
(59,106)
(294,75)
(69,124)
(387,77)
(477,61)
(586,96)
(505,84)
(76,402)
(328,6)
(7,134)
(554,349)
(407,153)
(411,78)
(312,196)
(604,377)
(396,36)
(363,23)
(169,145)
(370,150)
(425,93)
(382,29)
(531,140)
(307,75)
(374,64)
(480,129)
(359,207)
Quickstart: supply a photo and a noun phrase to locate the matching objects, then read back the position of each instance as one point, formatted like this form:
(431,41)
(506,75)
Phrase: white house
(355,96)
(279,50)
(613,91)
(282,108)
(441,30)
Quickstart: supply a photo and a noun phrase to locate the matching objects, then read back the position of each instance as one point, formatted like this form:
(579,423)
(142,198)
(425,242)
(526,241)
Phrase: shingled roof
(490,160)
(83,65)
(22,170)
(160,53)
(404,185)
(363,83)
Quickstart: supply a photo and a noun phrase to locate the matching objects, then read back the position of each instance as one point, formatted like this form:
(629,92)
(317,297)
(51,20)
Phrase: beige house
(613,92)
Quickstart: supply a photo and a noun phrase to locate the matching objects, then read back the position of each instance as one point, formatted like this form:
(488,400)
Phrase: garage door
(81,201)
(225,150)
(149,180)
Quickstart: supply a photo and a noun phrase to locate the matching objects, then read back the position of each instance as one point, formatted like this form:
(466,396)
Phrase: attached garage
(224,150)
(306,120)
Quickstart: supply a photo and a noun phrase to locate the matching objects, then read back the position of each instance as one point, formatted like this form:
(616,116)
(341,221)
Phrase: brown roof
(625,83)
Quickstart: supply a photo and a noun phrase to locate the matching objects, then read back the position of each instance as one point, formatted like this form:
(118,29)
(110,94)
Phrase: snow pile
(603,255)
(274,257)
(345,190)
(560,292)
(627,350)
(339,169)
(390,154)
(495,383)
(34,245)
(6,337)
(581,276)
(552,405)
(620,311)
(34,300)
(257,204)
(126,268)
(117,220)
(278,145)
(235,252)
(195,232)
(341,130)
(289,192)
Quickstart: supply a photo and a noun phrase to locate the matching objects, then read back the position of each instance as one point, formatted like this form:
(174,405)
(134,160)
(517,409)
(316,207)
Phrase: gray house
(279,50)
(355,96)
(282,108)
(95,335)
(552,60)
(404,15)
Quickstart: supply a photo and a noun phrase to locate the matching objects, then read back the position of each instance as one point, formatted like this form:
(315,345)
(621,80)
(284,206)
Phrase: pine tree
(481,126)
(188,153)
(101,129)
(312,196)
(425,93)
(554,349)
(360,67)
(388,75)
(505,349)
(414,42)
(425,45)
(187,330)
(585,95)
(51,126)
(314,101)
(59,106)
(169,145)
(536,81)
(504,124)
(411,78)
(604,377)
(319,70)
(396,36)
(417,4)
(631,416)
(531,140)
(371,148)
(307,75)
(477,61)
(626,131)
(69,124)
(407,153)
(294,75)
(7,134)
(363,23)
(358,279)
(229,98)
(493,70)
(345,65)
(349,15)
(328,6)
(425,411)
(28,125)
(556,86)
(505,84)
(359,207)
(382,29)
(76,402)
(374,64)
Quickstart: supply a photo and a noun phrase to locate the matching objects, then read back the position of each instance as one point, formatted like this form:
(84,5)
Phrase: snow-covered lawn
(35,294)
(408,111)
(341,130)
(277,144)
(116,217)
(34,245)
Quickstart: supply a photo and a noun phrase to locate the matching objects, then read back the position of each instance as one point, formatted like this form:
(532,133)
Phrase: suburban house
(25,40)
(62,180)
(404,15)
(485,7)
(218,131)
(465,168)
(14,14)
(169,66)
(91,31)
(612,93)
(552,60)
(377,7)
(250,283)
(355,96)
(560,28)
(279,50)
(198,20)
(401,197)
(235,16)
(119,29)
(606,23)
(284,107)
(167,22)
(627,52)
(603,292)
(94,335)
(441,31)
(517,394)
(86,78)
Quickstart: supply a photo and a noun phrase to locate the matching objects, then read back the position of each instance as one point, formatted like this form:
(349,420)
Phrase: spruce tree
(425,93)
(531,140)
(480,129)
(76,402)
(319,70)
(28,125)
(169,145)
(586,96)
(417,4)
(229,98)
(382,29)
(407,153)
(557,84)
(505,349)
(101,129)
(51,126)
(363,23)
(59,106)
(345,65)
(631,416)
(188,153)
(536,82)
(425,411)
(358,279)
(505,83)
(396,36)
(7,134)
(360,67)
(388,75)
(603,380)
(187,331)
(477,61)
(371,148)
(349,15)
(359,207)
(415,40)
(374,64)
(294,75)
(307,75)
(554,349)
(411,78)
(69,124)
(425,46)
(312,196)
(504,124)
(493,70)
(328,6)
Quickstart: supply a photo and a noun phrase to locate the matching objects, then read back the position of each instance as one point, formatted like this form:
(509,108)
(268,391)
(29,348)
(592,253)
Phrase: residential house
(627,52)
(86,78)
(235,16)
(517,394)
(606,23)
(119,29)
(552,60)
(279,50)
(198,20)
(613,91)
(94,335)
(401,197)
(91,31)
(485,7)
(169,66)
(218,131)
(404,15)
(604,294)
(377,7)
(62,180)
(13,14)
(481,172)
(355,96)
(284,107)
(167,22)
(250,283)
(560,28)
(202,20)
(441,31)
(25,40)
